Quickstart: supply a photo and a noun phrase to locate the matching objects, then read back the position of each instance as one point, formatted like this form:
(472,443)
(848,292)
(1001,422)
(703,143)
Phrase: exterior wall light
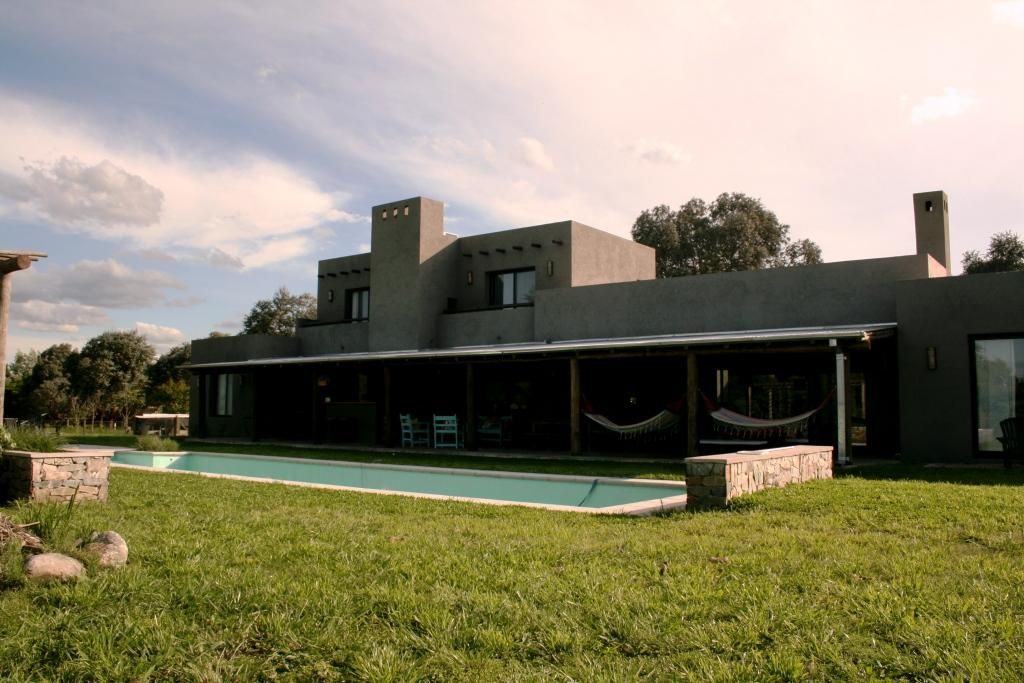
(932,358)
(551,268)
(469,277)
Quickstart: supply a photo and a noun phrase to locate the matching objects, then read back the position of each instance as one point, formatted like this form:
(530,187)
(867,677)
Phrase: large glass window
(512,287)
(357,306)
(223,399)
(999,387)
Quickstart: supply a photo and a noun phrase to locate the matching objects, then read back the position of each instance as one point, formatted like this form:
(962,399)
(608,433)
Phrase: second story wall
(337,280)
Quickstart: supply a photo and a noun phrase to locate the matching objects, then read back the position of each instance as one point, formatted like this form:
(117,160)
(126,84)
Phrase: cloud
(657,152)
(950,103)
(364,247)
(225,210)
(232,325)
(532,153)
(55,317)
(69,191)
(1008,12)
(160,336)
(107,284)
(211,257)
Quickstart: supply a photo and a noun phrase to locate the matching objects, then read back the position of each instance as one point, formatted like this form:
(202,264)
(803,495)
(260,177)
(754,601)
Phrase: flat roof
(788,334)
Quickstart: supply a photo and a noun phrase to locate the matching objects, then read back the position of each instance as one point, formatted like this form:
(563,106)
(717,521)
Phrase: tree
(18,374)
(734,232)
(112,370)
(47,390)
(1005,252)
(280,314)
(168,380)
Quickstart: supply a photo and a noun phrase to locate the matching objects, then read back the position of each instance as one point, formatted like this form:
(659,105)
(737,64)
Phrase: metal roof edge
(497,350)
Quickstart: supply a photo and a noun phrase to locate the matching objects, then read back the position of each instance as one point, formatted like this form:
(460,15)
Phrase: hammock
(663,420)
(742,425)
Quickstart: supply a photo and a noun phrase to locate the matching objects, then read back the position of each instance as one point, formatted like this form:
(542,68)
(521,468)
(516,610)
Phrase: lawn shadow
(967,473)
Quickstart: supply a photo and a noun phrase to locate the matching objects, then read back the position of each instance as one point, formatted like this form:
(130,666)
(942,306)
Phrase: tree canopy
(1005,252)
(734,232)
(112,371)
(168,380)
(279,314)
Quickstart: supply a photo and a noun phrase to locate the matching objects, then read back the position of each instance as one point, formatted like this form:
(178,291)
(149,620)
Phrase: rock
(109,548)
(53,567)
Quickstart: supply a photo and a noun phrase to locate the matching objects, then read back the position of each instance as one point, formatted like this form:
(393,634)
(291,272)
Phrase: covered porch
(661,397)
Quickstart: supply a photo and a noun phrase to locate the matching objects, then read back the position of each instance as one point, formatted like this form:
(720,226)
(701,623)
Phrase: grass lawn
(893,573)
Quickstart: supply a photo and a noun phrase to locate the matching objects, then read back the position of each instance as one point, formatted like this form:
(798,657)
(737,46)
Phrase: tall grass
(850,579)
(38,440)
(156,444)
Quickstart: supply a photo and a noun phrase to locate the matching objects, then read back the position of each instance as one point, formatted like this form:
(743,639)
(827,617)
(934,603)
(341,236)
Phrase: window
(330,295)
(223,389)
(511,287)
(999,387)
(357,306)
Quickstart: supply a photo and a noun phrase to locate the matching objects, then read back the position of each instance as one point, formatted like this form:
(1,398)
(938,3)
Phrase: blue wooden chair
(413,433)
(447,433)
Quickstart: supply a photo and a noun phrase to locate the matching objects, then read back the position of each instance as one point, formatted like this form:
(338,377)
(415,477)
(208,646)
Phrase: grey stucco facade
(431,290)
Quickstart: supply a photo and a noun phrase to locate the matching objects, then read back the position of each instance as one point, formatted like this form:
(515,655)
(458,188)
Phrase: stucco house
(559,337)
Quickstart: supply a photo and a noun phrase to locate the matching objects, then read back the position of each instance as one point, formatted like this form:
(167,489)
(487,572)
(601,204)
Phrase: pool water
(595,494)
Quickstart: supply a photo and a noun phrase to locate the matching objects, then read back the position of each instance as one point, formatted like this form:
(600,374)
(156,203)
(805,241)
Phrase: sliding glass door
(999,387)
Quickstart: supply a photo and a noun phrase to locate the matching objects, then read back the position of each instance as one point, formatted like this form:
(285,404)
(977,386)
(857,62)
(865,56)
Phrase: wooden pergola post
(10,263)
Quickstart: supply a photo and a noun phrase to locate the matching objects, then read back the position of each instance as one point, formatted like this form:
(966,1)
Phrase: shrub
(38,440)
(6,440)
(156,444)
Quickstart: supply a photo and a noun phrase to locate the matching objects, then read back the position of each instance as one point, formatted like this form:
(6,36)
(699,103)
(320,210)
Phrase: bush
(38,440)
(156,444)
(6,440)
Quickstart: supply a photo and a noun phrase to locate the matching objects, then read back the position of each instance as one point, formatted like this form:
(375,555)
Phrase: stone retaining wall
(713,480)
(54,476)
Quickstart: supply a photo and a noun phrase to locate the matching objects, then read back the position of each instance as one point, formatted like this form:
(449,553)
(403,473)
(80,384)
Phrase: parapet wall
(54,477)
(713,480)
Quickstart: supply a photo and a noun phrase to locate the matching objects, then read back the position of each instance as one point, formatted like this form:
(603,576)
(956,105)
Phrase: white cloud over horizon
(232,209)
(1008,12)
(952,102)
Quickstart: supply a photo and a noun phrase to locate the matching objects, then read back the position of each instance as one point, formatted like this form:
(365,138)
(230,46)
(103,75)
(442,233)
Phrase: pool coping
(646,507)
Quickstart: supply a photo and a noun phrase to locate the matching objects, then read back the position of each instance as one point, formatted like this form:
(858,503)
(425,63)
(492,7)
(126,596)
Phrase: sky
(180,161)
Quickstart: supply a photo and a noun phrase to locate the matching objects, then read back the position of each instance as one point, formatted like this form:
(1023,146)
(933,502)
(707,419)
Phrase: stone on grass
(53,567)
(109,549)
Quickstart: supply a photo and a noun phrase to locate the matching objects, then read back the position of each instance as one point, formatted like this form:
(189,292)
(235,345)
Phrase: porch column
(691,404)
(842,407)
(470,408)
(575,443)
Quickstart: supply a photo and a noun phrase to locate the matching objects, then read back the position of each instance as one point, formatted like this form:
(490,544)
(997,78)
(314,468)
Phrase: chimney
(931,225)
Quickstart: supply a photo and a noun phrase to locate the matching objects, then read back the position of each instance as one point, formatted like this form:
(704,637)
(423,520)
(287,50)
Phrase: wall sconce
(551,268)
(932,358)
(469,277)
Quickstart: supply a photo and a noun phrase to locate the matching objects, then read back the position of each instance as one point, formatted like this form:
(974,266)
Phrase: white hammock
(662,420)
(745,425)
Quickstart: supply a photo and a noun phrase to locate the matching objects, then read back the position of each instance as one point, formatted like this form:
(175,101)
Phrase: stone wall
(54,477)
(713,480)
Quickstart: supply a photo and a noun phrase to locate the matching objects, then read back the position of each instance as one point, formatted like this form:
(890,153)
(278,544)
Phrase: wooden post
(692,397)
(470,408)
(386,426)
(8,266)
(575,443)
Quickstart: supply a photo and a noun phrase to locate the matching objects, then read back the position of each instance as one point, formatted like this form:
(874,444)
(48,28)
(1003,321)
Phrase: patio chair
(1012,439)
(447,433)
(494,430)
(413,433)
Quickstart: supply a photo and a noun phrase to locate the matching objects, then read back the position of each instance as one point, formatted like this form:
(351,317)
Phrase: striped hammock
(738,424)
(662,420)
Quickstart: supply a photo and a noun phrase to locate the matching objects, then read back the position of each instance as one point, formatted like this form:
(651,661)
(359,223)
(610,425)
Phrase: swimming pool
(558,492)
